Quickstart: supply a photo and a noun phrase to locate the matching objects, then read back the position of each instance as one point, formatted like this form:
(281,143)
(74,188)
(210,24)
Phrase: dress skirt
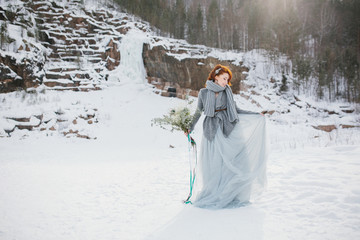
(232,169)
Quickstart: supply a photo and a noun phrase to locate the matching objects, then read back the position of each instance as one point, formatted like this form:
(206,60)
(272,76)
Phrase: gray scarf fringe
(209,108)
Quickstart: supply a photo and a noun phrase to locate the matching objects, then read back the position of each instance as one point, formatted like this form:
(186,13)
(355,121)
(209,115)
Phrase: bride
(233,149)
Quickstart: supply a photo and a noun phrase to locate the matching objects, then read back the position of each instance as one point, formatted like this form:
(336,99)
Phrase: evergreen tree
(199,24)
(213,25)
(179,19)
(195,23)
(227,26)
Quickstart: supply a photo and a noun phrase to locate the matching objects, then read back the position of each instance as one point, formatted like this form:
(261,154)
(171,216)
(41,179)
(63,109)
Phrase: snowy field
(129,183)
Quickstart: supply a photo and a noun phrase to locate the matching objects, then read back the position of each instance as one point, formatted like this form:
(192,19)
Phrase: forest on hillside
(320,37)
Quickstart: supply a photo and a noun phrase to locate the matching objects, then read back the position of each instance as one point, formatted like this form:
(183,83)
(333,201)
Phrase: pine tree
(199,24)
(195,25)
(180,19)
(227,26)
(213,25)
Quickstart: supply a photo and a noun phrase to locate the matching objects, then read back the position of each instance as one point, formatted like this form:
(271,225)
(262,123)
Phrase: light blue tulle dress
(232,169)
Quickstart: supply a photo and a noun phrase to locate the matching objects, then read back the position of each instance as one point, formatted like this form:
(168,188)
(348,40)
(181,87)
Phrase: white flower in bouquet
(178,118)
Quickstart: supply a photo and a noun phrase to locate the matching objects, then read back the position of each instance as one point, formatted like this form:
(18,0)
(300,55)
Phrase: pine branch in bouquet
(178,119)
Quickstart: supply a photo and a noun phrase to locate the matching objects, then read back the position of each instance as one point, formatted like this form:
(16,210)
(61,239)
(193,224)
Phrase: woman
(233,149)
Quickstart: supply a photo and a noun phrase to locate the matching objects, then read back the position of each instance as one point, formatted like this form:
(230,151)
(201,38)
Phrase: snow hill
(88,164)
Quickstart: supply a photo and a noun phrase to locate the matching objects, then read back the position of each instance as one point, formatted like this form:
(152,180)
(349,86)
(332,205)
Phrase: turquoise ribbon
(192,171)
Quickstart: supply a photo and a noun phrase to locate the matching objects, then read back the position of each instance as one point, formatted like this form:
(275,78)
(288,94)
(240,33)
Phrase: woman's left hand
(188,132)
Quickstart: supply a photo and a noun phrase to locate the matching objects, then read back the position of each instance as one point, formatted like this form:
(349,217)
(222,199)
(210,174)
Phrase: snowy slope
(75,188)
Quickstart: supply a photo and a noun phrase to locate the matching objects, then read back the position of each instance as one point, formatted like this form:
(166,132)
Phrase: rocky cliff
(66,46)
(69,45)
(180,76)
(58,44)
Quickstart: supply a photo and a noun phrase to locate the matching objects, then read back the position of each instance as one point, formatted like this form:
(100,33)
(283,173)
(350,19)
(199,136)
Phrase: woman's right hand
(187,133)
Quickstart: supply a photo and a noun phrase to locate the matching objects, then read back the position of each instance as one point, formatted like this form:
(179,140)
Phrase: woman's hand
(187,132)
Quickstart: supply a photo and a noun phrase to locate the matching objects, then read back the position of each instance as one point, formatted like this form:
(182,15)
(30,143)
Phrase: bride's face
(222,79)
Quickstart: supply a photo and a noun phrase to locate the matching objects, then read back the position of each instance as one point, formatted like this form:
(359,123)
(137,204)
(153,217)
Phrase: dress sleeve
(199,109)
(238,110)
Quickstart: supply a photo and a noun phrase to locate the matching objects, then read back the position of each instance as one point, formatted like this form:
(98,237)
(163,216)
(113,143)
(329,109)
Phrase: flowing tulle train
(233,169)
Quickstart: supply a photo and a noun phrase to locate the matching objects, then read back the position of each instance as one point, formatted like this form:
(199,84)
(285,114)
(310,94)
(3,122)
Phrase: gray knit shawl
(209,108)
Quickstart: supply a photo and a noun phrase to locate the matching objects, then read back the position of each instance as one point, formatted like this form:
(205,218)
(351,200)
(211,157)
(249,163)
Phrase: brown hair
(218,70)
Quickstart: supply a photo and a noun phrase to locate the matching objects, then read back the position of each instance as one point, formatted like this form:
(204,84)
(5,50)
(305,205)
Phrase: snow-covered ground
(129,183)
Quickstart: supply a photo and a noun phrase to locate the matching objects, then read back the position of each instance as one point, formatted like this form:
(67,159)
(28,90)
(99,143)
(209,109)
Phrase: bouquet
(177,119)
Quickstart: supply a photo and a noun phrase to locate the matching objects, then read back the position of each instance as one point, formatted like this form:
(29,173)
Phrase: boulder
(326,128)
(349,126)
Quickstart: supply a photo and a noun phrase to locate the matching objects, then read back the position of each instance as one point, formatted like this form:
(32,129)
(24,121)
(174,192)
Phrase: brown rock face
(175,77)
(16,75)
(71,41)
(112,55)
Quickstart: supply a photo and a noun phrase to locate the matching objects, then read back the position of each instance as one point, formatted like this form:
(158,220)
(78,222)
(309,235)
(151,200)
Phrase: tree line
(321,37)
